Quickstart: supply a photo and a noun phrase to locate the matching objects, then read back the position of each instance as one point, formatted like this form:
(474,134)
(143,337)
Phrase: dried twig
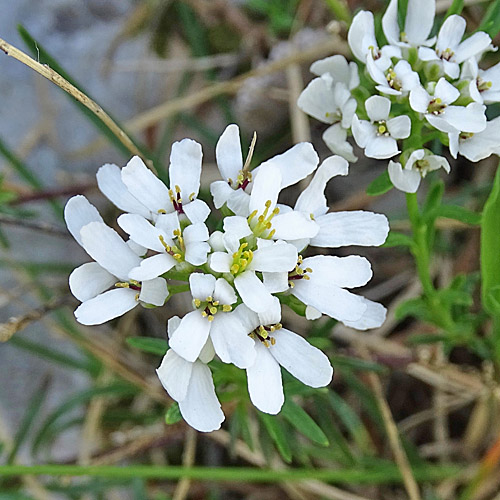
(45,227)
(182,488)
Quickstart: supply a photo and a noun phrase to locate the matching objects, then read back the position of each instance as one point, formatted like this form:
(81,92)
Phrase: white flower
(397,80)
(321,282)
(419,164)
(212,299)
(138,187)
(242,263)
(337,229)
(295,164)
(191,385)
(174,244)
(450,51)
(114,261)
(440,114)
(418,23)
(339,69)
(378,136)
(276,346)
(335,138)
(478,146)
(485,84)
(361,38)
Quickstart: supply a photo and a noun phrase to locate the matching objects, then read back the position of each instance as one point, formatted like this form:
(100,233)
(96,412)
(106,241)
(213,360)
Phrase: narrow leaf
(148,344)
(275,429)
(304,423)
(380,185)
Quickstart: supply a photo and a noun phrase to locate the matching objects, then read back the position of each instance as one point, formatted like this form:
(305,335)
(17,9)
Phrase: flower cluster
(238,276)
(418,89)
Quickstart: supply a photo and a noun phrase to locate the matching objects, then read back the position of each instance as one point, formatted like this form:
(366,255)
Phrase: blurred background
(166,70)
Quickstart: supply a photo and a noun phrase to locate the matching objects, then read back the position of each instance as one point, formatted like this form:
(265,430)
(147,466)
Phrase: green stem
(389,474)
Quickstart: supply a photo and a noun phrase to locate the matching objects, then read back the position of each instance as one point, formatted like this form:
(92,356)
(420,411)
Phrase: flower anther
(210,307)
(262,223)
(299,273)
(241,259)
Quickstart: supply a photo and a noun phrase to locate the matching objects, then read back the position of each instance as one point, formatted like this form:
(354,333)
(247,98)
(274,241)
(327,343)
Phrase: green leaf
(380,185)
(148,344)
(275,429)
(413,307)
(491,20)
(357,364)
(303,423)
(490,246)
(173,414)
(395,239)
(492,300)
(296,305)
(459,213)
(455,8)
(433,200)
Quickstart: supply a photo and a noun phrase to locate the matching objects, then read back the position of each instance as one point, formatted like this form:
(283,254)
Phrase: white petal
(378,108)
(390,23)
(143,232)
(145,186)
(107,306)
(266,187)
(427,54)
(248,318)
(294,165)
(271,316)
(154,291)
(419,99)
(208,352)
(361,34)
(216,241)
(446,91)
(275,282)
(109,180)
(195,233)
(318,101)
(196,253)
(453,138)
(377,75)
(264,382)
(335,139)
(172,325)
(201,408)
(276,258)
(185,167)
(294,226)
(313,200)
(220,191)
(336,65)
(347,272)
(190,336)
(382,147)
(253,292)
(238,202)
(338,229)
(220,262)
(201,285)
(399,127)
(152,267)
(419,20)
(472,118)
(362,131)
(231,341)
(237,226)
(106,247)
(330,299)
(474,45)
(139,250)
(404,179)
(224,292)
(451,69)
(174,373)
(451,33)
(228,153)
(196,211)
(373,317)
(89,280)
(304,361)
(312,313)
(78,212)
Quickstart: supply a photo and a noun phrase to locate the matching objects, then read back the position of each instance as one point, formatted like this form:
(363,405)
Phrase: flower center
(242,181)
(262,223)
(483,85)
(382,128)
(465,135)
(447,54)
(436,106)
(210,307)
(299,273)
(262,333)
(393,80)
(132,284)
(175,251)
(376,53)
(241,259)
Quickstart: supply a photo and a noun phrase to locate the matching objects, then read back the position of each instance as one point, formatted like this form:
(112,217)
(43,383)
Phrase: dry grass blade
(182,489)
(61,82)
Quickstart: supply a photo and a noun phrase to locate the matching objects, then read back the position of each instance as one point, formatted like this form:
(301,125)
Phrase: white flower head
(114,260)
(484,86)
(191,385)
(442,115)
(276,346)
(450,51)
(418,23)
(338,69)
(418,165)
(378,136)
(397,80)
(477,146)
(212,299)
(138,190)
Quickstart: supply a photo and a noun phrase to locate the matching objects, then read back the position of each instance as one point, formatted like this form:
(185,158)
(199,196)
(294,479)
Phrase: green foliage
(395,239)
(280,14)
(303,423)
(173,414)
(148,344)
(491,20)
(280,437)
(456,7)
(380,185)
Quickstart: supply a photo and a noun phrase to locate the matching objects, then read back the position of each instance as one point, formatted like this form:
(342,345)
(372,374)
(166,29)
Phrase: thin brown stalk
(182,489)
(53,76)
(44,227)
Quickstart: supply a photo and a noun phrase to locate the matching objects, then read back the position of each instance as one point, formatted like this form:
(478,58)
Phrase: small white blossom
(114,260)
(276,346)
(378,136)
(441,114)
(419,164)
(397,80)
(191,385)
(450,51)
(484,85)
